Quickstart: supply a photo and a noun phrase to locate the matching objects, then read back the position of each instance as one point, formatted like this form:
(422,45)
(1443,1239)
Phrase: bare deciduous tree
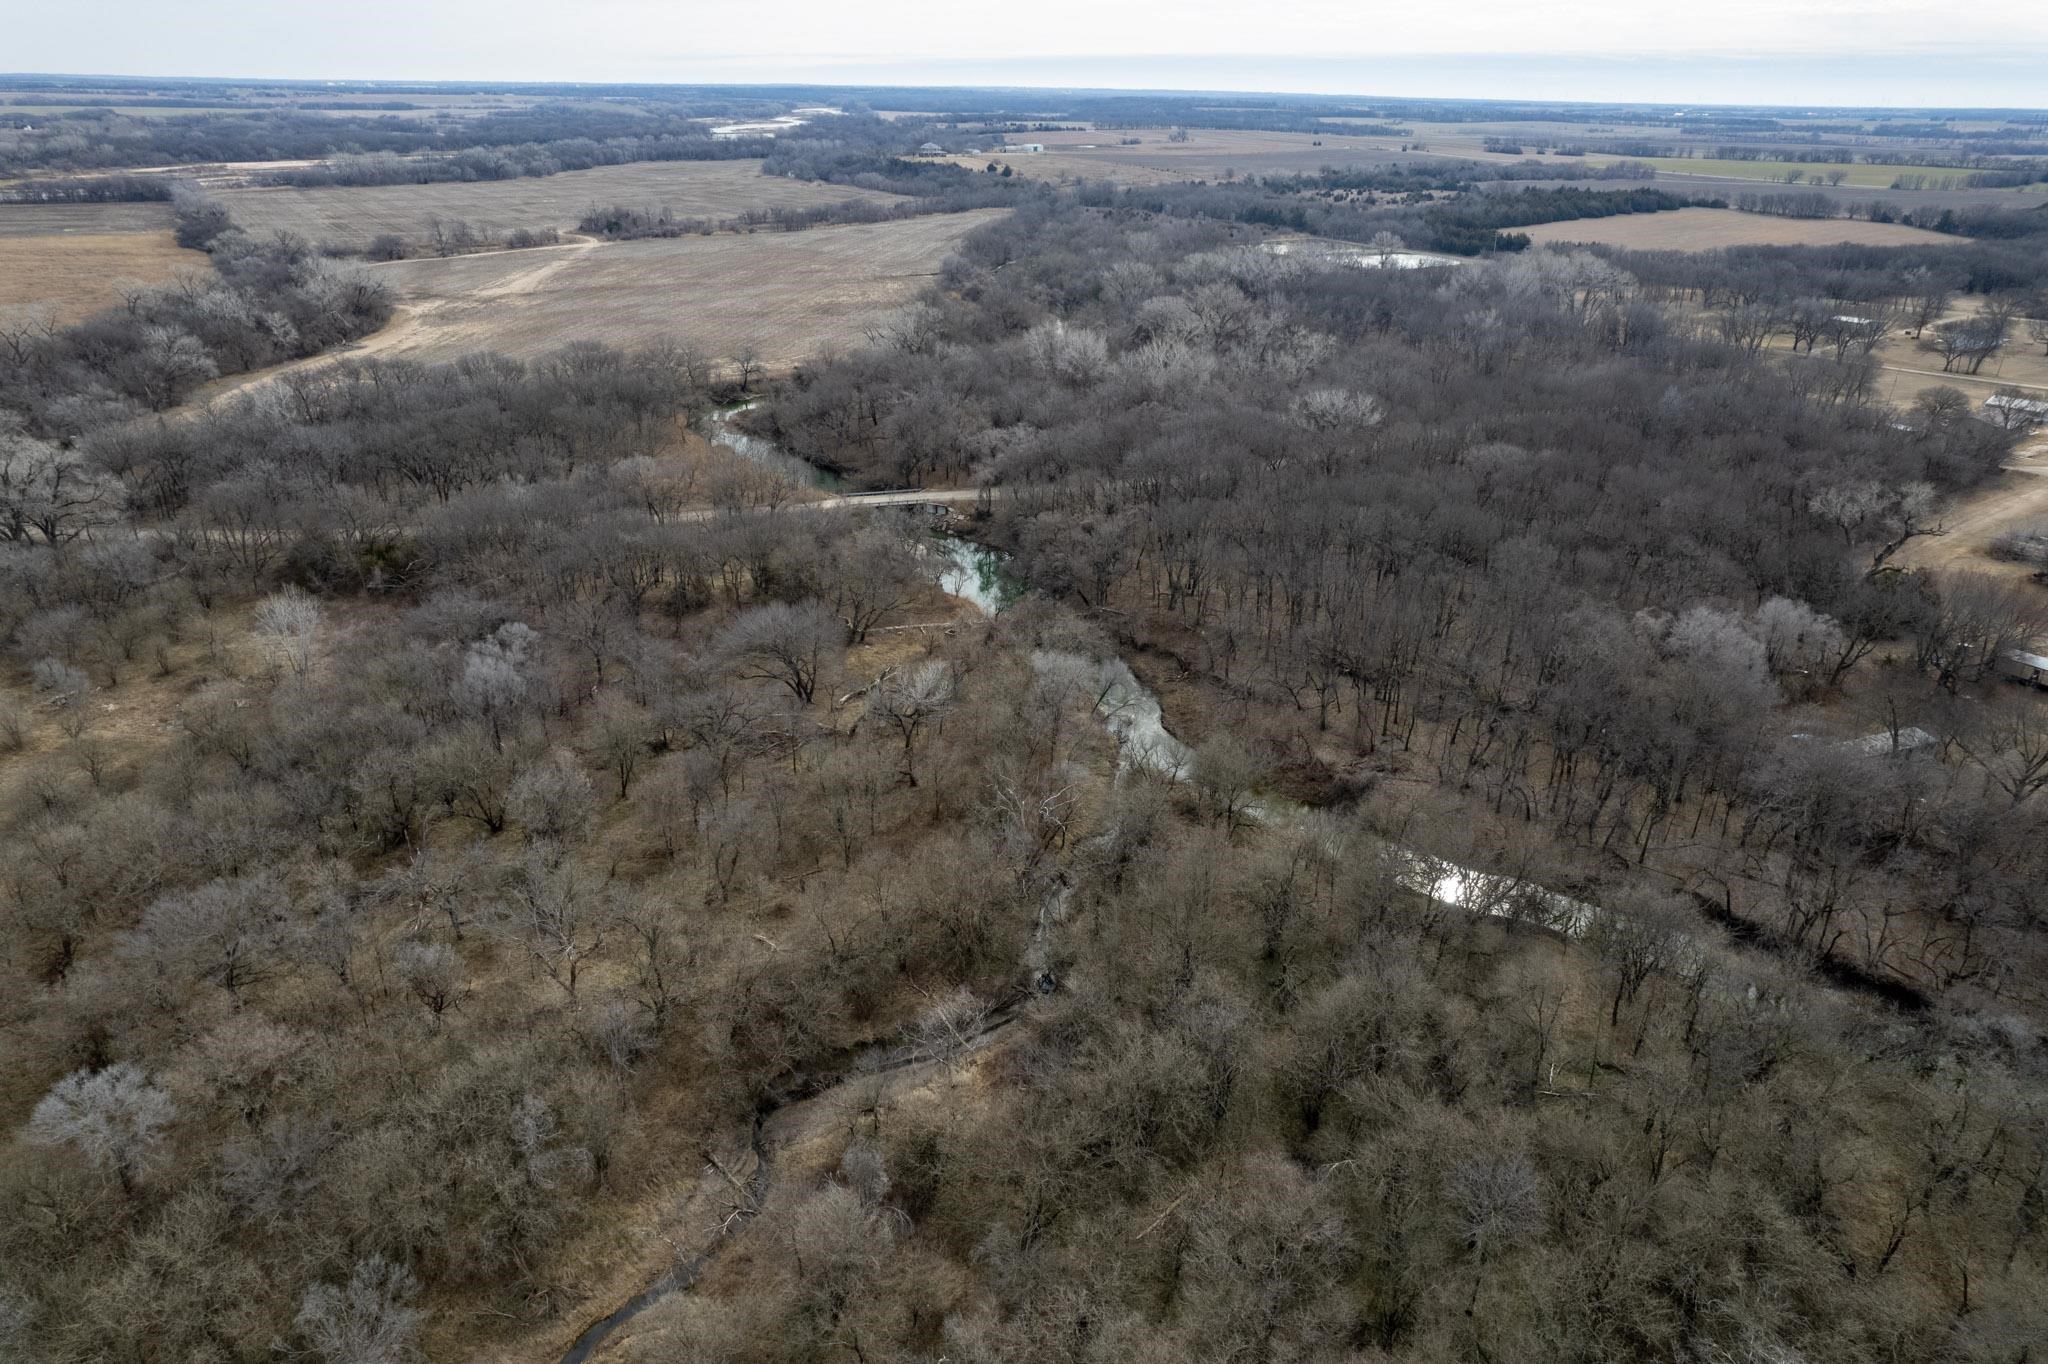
(52,493)
(561,920)
(2037,332)
(2007,738)
(910,698)
(497,676)
(552,799)
(434,975)
(1965,344)
(783,643)
(368,1320)
(618,733)
(289,624)
(116,1117)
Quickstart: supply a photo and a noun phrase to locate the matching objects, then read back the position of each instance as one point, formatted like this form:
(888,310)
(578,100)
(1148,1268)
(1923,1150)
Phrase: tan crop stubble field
(82,220)
(350,216)
(786,296)
(70,276)
(1208,154)
(1710,229)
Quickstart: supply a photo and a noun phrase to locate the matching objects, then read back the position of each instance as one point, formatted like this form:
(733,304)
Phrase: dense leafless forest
(1409,808)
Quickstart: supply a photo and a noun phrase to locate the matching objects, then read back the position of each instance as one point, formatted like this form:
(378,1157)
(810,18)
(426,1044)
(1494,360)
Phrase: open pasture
(2021,364)
(786,296)
(351,216)
(1208,154)
(1710,229)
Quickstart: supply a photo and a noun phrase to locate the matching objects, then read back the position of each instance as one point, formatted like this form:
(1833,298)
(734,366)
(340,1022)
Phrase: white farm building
(2013,412)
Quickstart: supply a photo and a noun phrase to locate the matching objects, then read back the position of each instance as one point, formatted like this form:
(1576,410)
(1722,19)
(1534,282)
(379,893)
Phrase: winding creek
(720,427)
(1331,251)
(1131,713)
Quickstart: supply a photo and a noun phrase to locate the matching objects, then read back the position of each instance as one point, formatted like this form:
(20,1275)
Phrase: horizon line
(1077,88)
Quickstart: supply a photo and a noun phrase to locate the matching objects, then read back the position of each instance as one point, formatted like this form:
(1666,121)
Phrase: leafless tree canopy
(1499,818)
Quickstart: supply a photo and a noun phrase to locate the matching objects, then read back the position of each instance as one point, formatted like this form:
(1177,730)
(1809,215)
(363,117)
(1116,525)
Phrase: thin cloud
(1820,51)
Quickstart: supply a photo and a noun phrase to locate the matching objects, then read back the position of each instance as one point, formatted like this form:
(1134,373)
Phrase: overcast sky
(1901,52)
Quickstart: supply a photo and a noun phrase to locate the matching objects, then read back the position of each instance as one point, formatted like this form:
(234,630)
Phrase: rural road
(2017,496)
(526,281)
(909,497)
(1974,378)
(404,327)
(398,331)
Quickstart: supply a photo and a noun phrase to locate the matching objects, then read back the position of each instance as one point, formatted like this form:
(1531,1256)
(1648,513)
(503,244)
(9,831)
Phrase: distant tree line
(538,140)
(1468,224)
(96,189)
(513,162)
(451,237)
(925,188)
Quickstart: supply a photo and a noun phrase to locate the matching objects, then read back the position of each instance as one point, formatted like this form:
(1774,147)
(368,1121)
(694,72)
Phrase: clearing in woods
(2017,497)
(1709,229)
(349,216)
(785,295)
(76,275)
(1910,369)
(2021,364)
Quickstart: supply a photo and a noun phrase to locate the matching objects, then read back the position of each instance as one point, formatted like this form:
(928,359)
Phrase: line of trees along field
(449,812)
(266,301)
(541,141)
(90,140)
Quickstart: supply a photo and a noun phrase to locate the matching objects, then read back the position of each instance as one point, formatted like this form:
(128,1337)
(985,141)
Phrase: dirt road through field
(2018,495)
(1991,380)
(784,296)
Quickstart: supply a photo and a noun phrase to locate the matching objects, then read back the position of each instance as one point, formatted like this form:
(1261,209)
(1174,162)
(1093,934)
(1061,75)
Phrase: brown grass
(1910,370)
(350,217)
(37,220)
(787,295)
(77,276)
(2015,498)
(1710,229)
(1208,154)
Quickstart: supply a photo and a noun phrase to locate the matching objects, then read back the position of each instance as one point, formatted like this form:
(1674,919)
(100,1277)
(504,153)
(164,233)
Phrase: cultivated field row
(783,297)
(352,216)
(1710,229)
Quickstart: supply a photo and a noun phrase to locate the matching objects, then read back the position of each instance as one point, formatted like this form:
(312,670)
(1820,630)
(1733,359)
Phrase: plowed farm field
(348,217)
(70,276)
(1709,229)
(1208,154)
(784,295)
